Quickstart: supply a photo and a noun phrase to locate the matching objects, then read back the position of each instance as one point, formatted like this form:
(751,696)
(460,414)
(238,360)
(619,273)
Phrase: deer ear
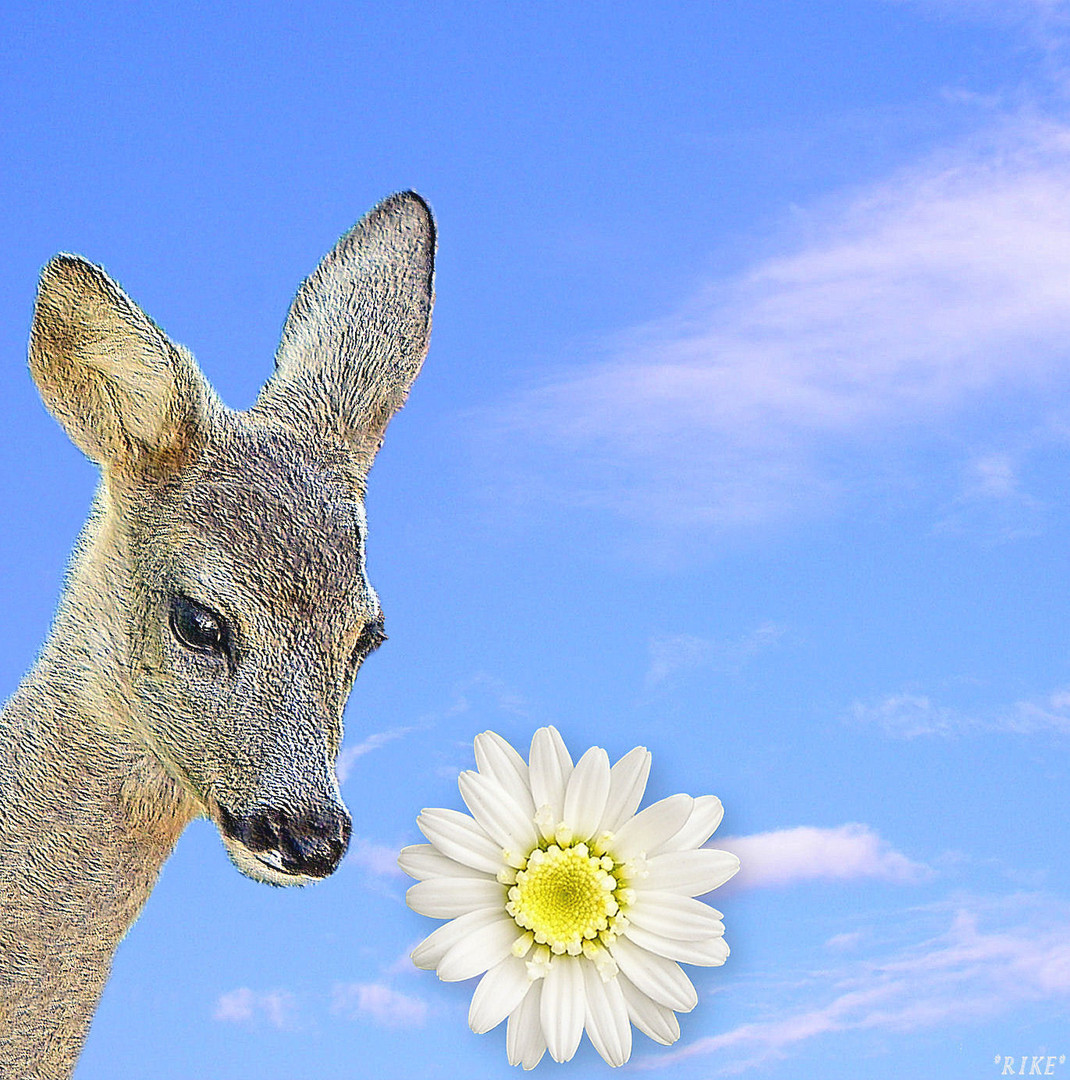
(358,329)
(106,372)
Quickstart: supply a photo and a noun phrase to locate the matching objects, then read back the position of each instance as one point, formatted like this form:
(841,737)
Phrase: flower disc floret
(564,896)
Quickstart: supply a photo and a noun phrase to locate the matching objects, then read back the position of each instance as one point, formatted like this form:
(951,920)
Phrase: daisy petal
(690,873)
(479,950)
(524,1041)
(705,817)
(670,915)
(448,897)
(550,769)
(497,759)
(651,827)
(428,954)
(585,796)
(627,782)
(657,977)
(563,1009)
(457,836)
(499,992)
(607,1017)
(423,861)
(709,953)
(499,814)
(652,1019)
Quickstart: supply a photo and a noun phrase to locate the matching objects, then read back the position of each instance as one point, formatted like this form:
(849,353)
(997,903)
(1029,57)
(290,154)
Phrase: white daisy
(574,908)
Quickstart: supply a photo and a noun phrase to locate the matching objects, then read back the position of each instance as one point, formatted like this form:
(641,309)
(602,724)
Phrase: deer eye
(198,628)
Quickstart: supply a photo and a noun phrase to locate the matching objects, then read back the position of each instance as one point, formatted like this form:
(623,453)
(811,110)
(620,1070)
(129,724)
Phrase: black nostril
(262,831)
(310,842)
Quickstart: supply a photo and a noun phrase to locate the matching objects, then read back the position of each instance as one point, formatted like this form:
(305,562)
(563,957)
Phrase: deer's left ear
(358,329)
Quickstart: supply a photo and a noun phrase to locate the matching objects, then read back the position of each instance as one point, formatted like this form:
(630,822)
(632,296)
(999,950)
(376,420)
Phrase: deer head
(220,594)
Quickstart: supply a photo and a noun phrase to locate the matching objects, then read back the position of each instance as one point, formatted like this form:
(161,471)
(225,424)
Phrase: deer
(216,610)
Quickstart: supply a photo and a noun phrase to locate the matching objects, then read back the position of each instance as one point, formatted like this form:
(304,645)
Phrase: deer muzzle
(308,843)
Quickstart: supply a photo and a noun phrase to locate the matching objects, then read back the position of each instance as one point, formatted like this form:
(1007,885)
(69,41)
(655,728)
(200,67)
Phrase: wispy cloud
(676,654)
(845,942)
(844,853)
(379,1003)
(672,654)
(991,504)
(352,754)
(480,690)
(908,715)
(245,1006)
(1045,21)
(378,859)
(774,392)
(992,958)
(1049,714)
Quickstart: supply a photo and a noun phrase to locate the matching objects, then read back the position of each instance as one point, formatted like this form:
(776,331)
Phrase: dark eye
(198,628)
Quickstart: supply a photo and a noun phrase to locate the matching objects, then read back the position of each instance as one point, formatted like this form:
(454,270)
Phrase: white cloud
(377,859)
(479,690)
(993,477)
(1049,714)
(277,1007)
(236,1005)
(1045,19)
(763,637)
(844,853)
(913,301)
(846,942)
(352,754)
(909,715)
(991,959)
(379,1003)
(674,654)
(991,504)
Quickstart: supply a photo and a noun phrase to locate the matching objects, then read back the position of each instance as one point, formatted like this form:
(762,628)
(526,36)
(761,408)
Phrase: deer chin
(264,866)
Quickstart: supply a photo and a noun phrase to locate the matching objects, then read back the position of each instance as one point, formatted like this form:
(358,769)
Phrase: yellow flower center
(566,897)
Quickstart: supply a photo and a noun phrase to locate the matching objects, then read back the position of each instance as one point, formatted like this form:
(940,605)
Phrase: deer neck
(87,818)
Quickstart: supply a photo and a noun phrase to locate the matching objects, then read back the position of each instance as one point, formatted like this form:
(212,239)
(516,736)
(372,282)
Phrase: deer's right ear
(106,372)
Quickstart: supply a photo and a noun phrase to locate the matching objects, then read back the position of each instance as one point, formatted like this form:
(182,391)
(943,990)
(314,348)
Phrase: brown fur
(124,731)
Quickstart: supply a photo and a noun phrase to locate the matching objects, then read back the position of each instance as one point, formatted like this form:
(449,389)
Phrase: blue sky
(743,436)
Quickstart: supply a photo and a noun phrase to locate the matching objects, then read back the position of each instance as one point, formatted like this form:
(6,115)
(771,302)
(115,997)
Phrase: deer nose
(310,843)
